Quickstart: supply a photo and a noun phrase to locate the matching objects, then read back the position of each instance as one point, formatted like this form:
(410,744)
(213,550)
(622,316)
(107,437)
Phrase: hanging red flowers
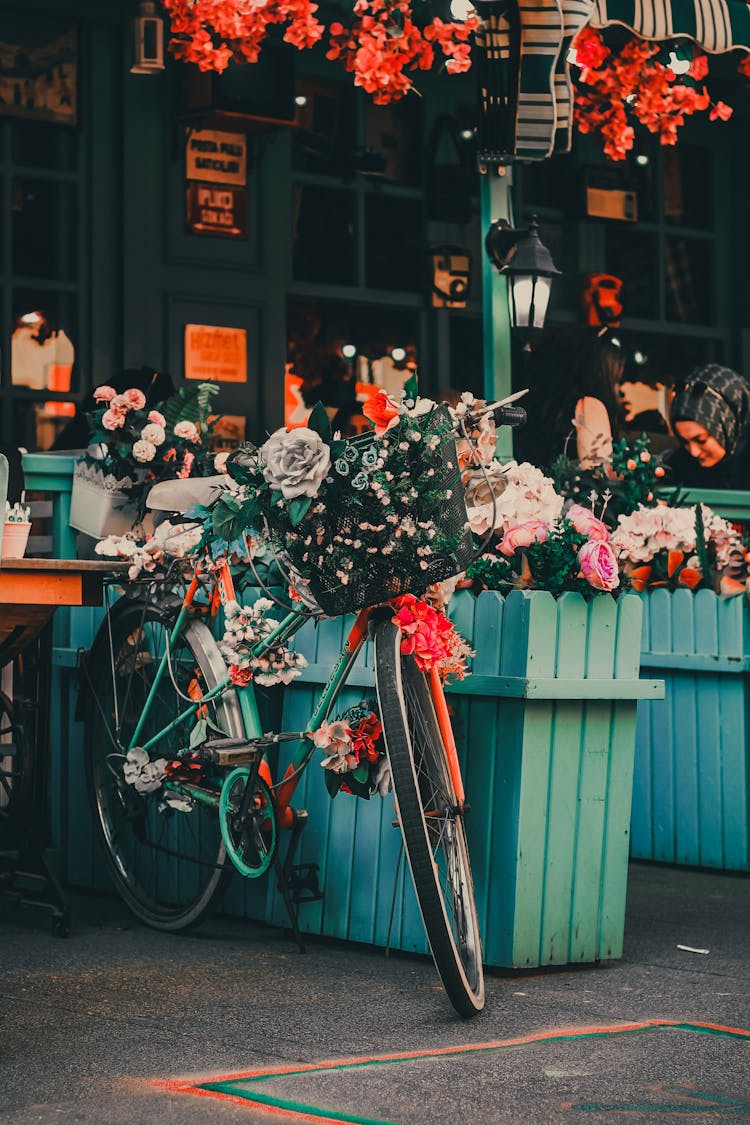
(210,33)
(381,45)
(616,88)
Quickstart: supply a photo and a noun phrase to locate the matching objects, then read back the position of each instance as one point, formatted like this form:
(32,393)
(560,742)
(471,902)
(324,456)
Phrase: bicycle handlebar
(510,416)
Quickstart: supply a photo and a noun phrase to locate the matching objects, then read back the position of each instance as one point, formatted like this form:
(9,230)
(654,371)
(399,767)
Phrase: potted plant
(692,771)
(16,530)
(132,448)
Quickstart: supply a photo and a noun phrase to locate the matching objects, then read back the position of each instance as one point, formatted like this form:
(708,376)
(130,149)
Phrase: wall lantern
(148,40)
(527,263)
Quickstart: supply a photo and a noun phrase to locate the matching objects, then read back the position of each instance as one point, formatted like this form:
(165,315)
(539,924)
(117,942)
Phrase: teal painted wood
(692,775)
(548,780)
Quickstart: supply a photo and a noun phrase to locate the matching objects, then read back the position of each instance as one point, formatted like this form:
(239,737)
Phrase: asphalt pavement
(120,1024)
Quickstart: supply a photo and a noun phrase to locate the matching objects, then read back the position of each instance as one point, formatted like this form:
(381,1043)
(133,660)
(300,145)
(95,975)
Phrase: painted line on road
(225,1088)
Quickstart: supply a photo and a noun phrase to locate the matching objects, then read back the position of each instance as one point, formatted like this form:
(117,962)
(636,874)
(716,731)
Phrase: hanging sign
(216,158)
(216,174)
(216,210)
(215,354)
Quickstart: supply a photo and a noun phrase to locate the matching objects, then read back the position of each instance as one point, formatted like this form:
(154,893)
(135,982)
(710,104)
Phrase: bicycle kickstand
(297,882)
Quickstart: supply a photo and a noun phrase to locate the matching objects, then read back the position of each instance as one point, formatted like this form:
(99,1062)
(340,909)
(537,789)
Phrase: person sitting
(573,376)
(710,414)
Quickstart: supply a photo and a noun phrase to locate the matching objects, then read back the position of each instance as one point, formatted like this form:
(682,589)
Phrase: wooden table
(31,590)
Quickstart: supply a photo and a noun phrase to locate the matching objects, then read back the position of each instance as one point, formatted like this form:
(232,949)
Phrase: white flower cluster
(246,628)
(642,535)
(168,541)
(521,493)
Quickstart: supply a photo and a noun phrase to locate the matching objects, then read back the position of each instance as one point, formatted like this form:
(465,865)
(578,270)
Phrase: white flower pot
(15,538)
(99,511)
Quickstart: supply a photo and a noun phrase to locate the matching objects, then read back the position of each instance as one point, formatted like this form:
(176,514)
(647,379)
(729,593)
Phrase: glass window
(44,229)
(339,352)
(43,340)
(322,139)
(395,245)
(633,256)
(467,355)
(41,145)
(688,276)
(688,186)
(324,235)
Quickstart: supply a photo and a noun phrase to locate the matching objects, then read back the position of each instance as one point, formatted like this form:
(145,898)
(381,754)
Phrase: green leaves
(411,388)
(189,404)
(298,509)
(319,422)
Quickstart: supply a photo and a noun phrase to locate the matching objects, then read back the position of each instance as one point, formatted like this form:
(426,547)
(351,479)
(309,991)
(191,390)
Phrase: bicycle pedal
(229,752)
(303,884)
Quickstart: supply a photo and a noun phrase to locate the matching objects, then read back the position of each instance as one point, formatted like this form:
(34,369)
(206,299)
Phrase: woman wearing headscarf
(710,414)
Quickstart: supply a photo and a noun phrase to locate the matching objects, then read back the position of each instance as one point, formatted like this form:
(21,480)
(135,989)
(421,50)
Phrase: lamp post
(527,263)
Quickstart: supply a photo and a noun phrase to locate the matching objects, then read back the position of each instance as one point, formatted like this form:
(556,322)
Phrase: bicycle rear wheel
(431,826)
(169,866)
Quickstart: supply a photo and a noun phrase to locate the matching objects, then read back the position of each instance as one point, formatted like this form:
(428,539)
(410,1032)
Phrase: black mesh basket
(378,577)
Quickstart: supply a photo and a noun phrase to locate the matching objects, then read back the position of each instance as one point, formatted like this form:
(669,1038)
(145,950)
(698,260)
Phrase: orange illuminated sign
(215,354)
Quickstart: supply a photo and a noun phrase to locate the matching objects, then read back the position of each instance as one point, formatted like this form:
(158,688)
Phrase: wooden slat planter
(691,795)
(546,728)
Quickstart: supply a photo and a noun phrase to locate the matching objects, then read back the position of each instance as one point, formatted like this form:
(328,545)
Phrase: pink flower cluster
(596,558)
(118,405)
(430,638)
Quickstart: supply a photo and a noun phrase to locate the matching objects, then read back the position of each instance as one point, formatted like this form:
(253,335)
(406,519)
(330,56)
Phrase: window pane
(44,229)
(467,355)
(688,186)
(43,342)
(41,145)
(395,248)
(339,350)
(322,140)
(36,425)
(634,257)
(688,268)
(324,235)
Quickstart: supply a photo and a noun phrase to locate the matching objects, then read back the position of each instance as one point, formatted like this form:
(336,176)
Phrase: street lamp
(527,263)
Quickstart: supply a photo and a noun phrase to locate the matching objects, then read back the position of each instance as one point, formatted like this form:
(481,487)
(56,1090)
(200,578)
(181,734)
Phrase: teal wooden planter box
(546,730)
(691,795)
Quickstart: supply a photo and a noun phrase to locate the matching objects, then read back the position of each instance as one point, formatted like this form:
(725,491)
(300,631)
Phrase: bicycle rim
(169,866)
(432,830)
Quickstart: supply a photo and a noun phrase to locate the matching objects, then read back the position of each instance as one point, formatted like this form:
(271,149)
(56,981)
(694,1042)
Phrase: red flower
(720,111)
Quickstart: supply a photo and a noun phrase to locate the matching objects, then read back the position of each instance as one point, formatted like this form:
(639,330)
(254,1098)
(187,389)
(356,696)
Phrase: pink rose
(523,535)
(112,420)
(104,394)
(187,465)
(119,404)
(157,418)
(585,522)
(135,399)
(599,565)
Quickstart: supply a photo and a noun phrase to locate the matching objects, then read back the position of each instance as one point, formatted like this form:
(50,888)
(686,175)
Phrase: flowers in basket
(131,447)
(358,521)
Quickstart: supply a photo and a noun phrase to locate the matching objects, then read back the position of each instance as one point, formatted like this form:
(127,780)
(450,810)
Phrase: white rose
(153,433)
(144,451)
(187,430)
(295,461)
(220,461)
(480,488)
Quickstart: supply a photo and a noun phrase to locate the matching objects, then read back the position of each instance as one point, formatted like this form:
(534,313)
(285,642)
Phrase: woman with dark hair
(710,414)
(573,377)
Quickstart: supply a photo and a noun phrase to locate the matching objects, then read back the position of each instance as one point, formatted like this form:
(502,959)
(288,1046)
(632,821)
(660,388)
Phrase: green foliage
(319,421)
(189,404)
(638,474)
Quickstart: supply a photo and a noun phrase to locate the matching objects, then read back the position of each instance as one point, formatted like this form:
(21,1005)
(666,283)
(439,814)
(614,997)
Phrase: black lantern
(527,263)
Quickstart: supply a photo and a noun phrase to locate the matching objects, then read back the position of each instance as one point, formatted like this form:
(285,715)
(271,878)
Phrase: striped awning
(533,108)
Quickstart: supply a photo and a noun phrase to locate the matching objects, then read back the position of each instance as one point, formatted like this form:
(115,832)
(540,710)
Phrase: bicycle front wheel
(167,862)
(431,825)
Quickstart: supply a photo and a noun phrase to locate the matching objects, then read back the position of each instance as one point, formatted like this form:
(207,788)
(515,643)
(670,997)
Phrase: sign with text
(215,354)
(216,158)
(216,210)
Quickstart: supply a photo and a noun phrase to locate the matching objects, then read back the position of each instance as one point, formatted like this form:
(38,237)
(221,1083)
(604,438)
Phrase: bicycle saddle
(181,495)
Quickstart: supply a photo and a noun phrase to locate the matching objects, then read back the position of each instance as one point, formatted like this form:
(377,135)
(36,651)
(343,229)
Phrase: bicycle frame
(285,629)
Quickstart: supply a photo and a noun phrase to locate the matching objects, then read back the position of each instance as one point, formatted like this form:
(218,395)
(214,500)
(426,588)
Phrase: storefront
(303,230)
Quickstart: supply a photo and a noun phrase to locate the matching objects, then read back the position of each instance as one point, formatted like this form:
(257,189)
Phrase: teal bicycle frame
(246,694)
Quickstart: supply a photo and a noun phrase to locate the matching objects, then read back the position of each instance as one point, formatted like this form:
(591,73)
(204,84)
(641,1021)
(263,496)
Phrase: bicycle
(172,845)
